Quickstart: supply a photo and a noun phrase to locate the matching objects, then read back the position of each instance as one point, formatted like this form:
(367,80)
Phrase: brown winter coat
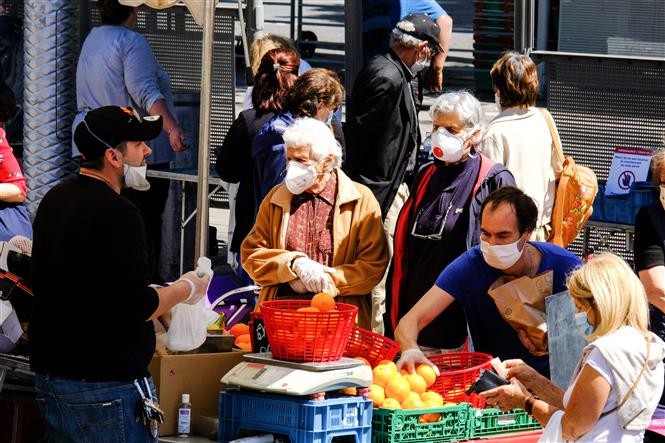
(360,249)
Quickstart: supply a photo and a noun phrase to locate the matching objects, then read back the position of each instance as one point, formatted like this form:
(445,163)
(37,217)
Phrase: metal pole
(299,33)
(518,26)
(202,221)
(259,24)
(529,29)
(293,19)
(353,56)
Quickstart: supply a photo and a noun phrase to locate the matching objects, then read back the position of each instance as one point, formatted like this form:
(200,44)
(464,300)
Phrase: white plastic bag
(189,326)
(552,432)
(189,323)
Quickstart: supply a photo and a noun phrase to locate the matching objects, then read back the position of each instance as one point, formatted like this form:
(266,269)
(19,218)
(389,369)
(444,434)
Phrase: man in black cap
(91,335)
(381,128)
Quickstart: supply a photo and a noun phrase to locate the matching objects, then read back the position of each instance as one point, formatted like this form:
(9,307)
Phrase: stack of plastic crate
(300,419)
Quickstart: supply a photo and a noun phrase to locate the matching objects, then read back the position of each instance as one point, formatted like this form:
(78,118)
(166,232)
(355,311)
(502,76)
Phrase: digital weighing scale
(264,373)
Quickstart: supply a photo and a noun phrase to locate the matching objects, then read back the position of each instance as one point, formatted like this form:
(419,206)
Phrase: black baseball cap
(422,27)
(108,126)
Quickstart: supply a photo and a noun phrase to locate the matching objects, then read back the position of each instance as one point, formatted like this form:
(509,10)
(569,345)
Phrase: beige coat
(360,249)
(521,141)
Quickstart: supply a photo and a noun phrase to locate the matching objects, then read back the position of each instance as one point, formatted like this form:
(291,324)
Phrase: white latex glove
(298,286)
(312,274)
(413,357)
(198,281)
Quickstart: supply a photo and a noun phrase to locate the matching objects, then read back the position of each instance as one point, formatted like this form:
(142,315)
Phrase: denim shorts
(94,412)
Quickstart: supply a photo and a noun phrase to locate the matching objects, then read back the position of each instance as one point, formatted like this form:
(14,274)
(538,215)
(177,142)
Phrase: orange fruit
(426,372)
(391,403)
(243,338)
(377,395)
(413,395)
(387,362)
(323,302)
(350,391)
(431,418)
(412,403)
(417,383)
(404,372)
(364,360)
(244,346)
(431,396)
(398,388)
(309,309)
(381,375)
(239,329)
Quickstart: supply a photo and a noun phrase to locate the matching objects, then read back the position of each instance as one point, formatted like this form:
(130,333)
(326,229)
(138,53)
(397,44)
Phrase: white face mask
(299,177)
(497,101)
(448,147)
(135,177)
(501,256)
(662,197)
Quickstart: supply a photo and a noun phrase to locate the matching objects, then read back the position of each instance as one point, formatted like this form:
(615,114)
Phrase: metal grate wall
(598,106)
(600,103)
(617,27)
(176,41)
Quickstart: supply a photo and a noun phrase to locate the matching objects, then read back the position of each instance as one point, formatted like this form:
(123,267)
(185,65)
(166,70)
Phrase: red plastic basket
(307,336)
(458,372)
(374,347)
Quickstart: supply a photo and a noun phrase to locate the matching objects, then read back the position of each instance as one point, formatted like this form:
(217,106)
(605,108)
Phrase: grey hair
(462,103)
(397,37)
(317,136)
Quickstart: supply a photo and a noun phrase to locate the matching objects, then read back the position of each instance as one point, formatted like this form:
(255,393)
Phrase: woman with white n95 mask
(440,220)
(318,231)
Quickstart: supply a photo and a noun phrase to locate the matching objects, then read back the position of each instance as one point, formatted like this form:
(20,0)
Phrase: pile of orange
(393,389)
(241,333)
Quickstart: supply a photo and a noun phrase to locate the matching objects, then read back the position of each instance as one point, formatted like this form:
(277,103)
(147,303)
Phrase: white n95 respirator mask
(135,177)
(448,147)
(299,177)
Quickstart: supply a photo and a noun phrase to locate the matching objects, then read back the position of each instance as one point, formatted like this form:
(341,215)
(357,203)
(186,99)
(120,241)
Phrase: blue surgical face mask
(583,323)
(330,117)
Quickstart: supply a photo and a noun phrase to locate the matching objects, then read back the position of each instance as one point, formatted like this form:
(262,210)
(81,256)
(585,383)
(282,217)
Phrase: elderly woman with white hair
(317,231)
(440,220)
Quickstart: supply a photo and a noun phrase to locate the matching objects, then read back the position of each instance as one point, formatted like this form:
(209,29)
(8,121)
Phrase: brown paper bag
(521,302)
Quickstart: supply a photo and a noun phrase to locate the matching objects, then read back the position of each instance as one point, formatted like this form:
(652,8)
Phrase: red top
(10,172)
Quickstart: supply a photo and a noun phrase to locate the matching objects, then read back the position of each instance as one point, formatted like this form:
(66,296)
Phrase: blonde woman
(617,383)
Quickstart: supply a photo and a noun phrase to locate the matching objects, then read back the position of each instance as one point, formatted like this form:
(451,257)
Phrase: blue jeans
(95,412)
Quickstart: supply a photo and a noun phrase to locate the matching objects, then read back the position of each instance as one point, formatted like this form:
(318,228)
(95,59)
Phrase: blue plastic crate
(303,420)
(623,208)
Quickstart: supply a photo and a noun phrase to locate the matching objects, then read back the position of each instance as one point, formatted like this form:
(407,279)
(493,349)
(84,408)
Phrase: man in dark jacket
(381,128)
(382,122)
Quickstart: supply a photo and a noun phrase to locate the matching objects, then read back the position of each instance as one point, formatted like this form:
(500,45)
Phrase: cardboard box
(198,375)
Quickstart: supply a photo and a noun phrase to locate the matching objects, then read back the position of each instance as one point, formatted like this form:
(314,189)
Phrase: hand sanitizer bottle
(184,416)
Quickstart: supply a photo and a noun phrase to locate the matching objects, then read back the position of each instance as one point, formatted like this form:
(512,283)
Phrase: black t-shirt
(90,281)
(649,253)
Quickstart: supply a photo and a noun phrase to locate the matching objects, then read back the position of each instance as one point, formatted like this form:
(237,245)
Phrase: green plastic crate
(402,426)
(488,422)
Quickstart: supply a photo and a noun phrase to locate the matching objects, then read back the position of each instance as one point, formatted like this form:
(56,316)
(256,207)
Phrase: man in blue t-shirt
(508,217)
